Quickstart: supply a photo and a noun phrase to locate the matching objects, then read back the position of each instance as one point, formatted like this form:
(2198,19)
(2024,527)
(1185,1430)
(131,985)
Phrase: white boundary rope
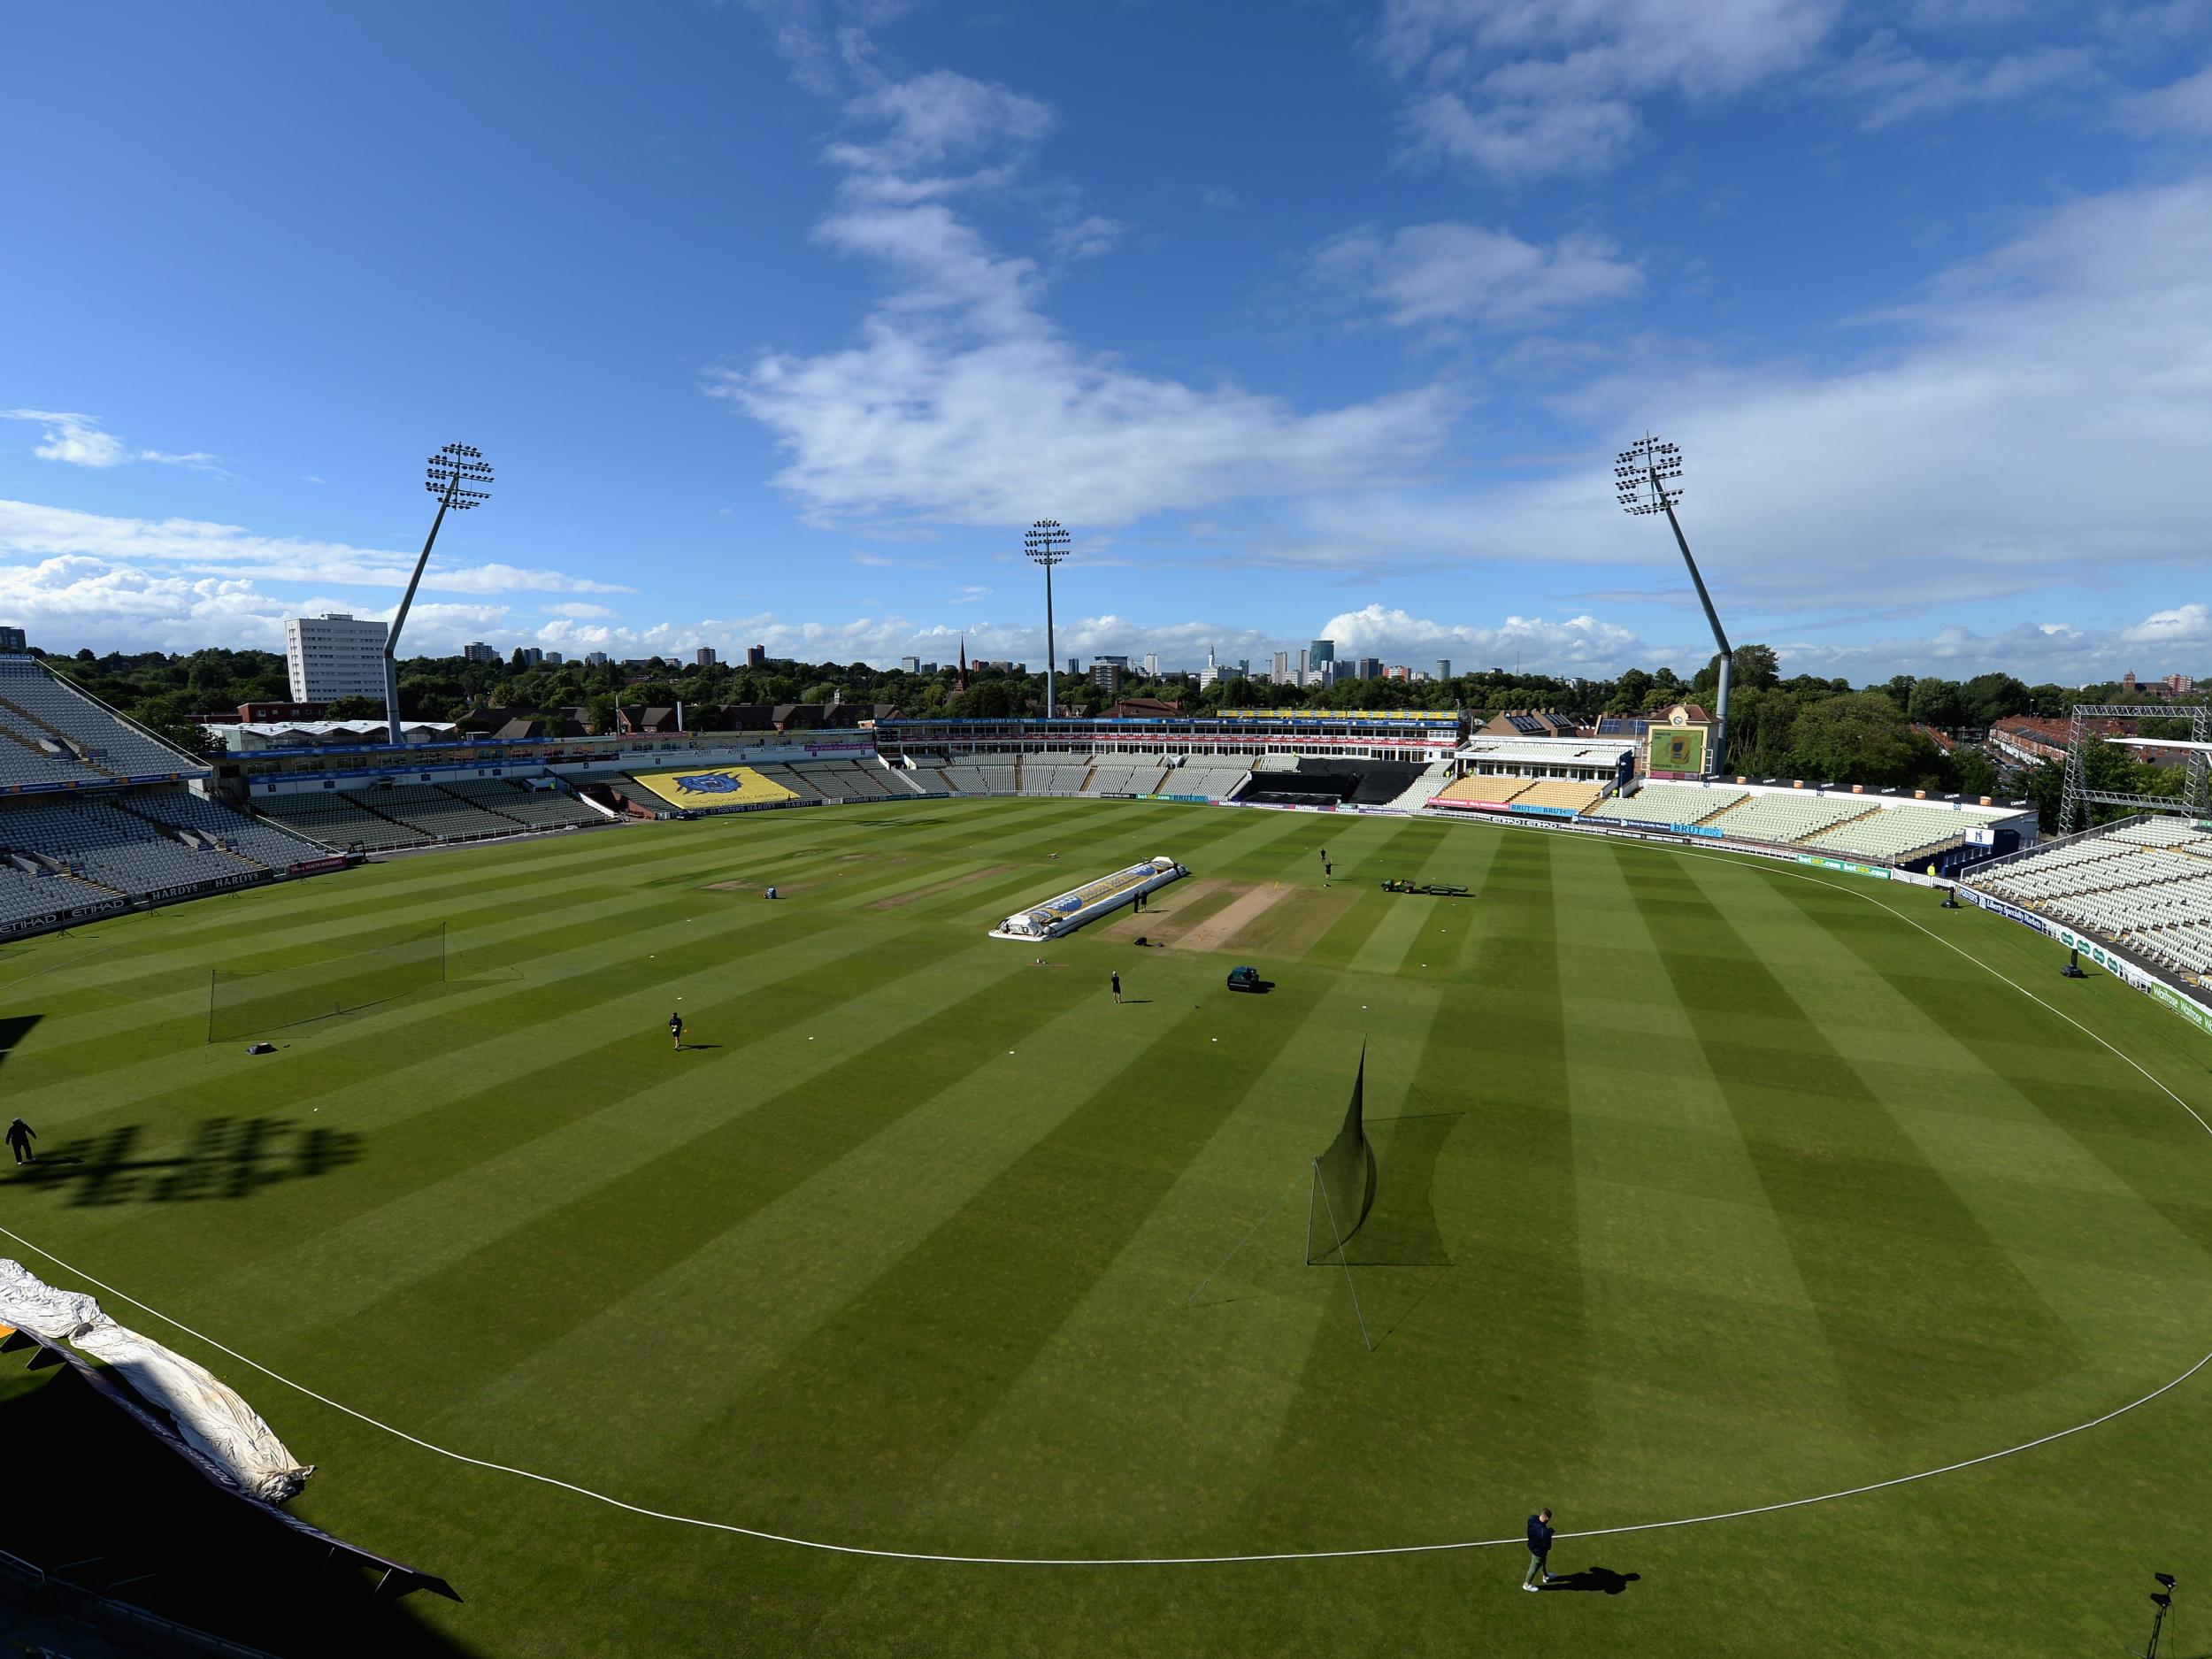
(1222,1561)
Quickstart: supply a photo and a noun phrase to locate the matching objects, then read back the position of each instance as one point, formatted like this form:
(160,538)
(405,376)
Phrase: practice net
(1343,1180)
(251,1004)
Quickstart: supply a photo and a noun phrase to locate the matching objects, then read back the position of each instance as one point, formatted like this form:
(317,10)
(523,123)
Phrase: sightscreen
(1343,1180)
(256,1003)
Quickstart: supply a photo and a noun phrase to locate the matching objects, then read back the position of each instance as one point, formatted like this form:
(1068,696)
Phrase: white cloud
(74,599)
(579,612)
(2034,420)
(1427,276)
(28,529)
(2184,106)
(1898,85)
(2059,653)
(961,404)
(1522,90)
(1087,238)
(1579,645)
(84,441)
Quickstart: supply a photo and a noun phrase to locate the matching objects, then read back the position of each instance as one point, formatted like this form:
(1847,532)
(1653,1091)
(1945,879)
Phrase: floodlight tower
(1643,479)
(1047,544)
(460,478)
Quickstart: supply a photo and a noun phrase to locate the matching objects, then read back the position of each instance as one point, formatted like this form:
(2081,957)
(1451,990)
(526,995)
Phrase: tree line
(1804,727)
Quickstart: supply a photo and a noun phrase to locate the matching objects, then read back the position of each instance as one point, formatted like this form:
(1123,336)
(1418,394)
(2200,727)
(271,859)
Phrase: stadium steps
(1089,772)
(1829,829)
(481,806)
(169,832)
(73,747)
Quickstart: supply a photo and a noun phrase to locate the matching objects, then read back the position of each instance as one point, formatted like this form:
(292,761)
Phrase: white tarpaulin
(209,1414)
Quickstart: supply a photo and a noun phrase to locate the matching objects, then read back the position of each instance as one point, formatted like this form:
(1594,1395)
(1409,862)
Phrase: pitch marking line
(1223,1560)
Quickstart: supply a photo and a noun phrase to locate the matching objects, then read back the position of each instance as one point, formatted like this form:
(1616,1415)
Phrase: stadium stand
(509,797)
(1786,818)
(97,841)
(1475,790)
(29,899)
(52,732)
(1561,793)
(1667,803)
(2147,885)
(1894,833)
(268,845)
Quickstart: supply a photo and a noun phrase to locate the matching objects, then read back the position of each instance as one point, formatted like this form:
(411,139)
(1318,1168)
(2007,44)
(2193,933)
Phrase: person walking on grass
(1115,978)
(20,1135)
(1539,1573)
(676,1031)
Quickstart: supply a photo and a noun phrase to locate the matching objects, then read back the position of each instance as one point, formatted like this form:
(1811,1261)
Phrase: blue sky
(779,321)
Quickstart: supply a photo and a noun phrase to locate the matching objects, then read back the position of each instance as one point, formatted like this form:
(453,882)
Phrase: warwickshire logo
(708,783)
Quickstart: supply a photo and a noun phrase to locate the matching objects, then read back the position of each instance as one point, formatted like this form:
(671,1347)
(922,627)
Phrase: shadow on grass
(114,1515)
(1594,1581)
(224,1157)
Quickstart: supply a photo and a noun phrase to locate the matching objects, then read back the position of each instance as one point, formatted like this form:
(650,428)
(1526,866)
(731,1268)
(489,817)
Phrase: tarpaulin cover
(207,1412)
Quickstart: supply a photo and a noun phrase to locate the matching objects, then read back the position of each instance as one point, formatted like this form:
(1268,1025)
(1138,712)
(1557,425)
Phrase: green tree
(1936,702)
(1858,738)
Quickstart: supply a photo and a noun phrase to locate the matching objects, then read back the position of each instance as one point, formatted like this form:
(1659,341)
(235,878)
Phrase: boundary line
(1278,1555)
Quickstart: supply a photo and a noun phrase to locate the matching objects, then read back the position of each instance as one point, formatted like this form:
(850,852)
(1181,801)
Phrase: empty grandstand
(92,816)
(387,817)
(2144,884)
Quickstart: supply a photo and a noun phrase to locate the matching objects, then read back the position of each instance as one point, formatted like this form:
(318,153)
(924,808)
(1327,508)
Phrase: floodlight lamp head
(1641,475)
(460,475)
(1046,542)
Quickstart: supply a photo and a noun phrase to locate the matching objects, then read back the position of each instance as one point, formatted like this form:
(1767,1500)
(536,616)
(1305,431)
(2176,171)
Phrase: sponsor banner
(1541,811)
(1469,806)
(1881,872)
(1705,830)
(1280,806)
(316,867)
(2119,967)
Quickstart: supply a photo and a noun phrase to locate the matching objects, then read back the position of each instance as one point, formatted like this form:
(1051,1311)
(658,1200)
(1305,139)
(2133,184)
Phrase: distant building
(1151,664)
(1397,671)
(1320,653)
(704,657)
(274,713)
(477,651)
(596,659)
(553,659)
(1371,668)
(1106,675)
(755,657)
(12,640)
(1075,666)
(1142,709)
(1443,668)
(533,658)
(1281,676)
(333,656)
(910,665)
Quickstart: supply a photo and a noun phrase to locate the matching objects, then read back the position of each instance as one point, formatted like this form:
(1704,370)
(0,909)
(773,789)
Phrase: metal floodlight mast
(1643,477)
(1047,544)
(460,478)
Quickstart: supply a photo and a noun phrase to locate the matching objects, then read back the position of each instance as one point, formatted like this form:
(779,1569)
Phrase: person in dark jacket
(20,1135)
(1115,979)
(676,1031)
(1538,1551)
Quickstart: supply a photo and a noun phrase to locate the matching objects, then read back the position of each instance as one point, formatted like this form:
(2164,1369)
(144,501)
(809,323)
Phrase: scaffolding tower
(2195,800)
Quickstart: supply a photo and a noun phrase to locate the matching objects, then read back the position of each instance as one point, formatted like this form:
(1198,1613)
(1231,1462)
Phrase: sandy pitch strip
(935,887)
(1217,929)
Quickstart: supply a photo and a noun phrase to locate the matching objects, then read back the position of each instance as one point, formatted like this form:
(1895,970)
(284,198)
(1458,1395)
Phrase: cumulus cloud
(1579,645)
(960,402)
(1521,91)
(75,599)
(84,441)
(1454,273)
(2184,106)
(2059,653)
(1897,85)
(28,529)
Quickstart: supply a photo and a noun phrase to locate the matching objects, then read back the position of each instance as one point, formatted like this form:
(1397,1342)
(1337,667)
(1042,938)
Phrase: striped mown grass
(1705,1184)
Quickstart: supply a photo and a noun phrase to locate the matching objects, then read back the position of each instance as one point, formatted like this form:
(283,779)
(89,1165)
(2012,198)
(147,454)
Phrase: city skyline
(794,321)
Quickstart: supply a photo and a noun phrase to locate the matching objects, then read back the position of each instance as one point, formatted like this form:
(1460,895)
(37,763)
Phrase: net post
(1345,1261)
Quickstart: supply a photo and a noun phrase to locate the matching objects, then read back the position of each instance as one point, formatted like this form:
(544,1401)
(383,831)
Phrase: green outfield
(1705,1184)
